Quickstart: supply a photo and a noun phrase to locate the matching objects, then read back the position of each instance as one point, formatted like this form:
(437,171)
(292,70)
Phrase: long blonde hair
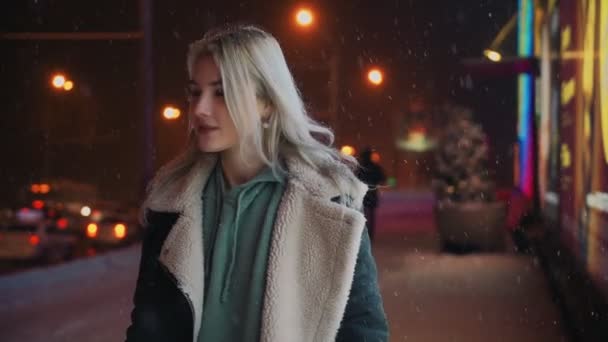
(253,68)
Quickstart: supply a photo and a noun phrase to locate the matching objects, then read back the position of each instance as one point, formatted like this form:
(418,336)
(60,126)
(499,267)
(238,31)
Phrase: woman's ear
(265,108)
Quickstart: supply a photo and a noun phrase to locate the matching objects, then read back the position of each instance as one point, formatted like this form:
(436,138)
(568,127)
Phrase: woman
(254,232)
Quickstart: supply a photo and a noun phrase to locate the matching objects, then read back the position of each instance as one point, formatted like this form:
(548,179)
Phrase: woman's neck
(236,170)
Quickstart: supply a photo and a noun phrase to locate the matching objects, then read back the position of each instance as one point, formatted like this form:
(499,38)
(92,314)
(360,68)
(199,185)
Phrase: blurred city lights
(34,240)
(120,230)
(348,150)
(85,211)
(375,76)
(92,230)
(171,113)
(58,81)
(68,85)
(375,157)
(62,223)
(492,55)
(38,204)
(44,188)
(304,17)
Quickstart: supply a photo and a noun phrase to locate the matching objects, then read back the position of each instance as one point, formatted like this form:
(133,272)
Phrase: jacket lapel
(312,254)
(182,251)
(312,260)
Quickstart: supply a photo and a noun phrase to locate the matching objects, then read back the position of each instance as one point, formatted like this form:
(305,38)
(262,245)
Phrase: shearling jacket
(321,281)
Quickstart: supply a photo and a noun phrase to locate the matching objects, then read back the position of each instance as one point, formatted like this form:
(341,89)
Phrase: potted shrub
(467,214)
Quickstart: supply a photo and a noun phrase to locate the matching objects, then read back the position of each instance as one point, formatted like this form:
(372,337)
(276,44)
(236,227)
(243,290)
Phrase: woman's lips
(206,129)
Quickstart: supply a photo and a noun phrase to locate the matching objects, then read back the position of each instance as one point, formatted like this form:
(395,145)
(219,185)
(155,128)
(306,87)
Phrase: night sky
(97,128)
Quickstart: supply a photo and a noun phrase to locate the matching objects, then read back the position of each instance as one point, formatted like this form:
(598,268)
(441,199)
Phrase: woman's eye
(219,92)
(193,93)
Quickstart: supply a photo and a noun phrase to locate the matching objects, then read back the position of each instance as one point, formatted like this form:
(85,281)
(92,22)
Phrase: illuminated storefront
(573,129)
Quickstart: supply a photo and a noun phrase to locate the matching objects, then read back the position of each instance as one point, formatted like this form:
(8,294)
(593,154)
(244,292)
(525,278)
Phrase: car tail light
(62,223)
(38,204)
(92,230)
(34,240)
(120,230)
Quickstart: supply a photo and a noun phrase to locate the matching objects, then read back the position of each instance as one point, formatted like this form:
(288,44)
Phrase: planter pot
(472,226)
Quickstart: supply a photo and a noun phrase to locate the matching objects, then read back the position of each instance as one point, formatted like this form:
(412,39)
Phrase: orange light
(492,55)
(304,17)
(375,76)
(171,113)
(68,85)
(348,150)
(44,188)
(34,240)
(62,223)
(375,157)
(92,230)
(35,188)
(120,231)
(38,204)
(58,81)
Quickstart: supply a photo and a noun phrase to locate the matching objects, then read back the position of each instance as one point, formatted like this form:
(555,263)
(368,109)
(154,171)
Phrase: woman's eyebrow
(212,83)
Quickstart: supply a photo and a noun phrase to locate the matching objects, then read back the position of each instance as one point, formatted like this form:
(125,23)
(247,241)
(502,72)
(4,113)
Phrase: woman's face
(208,111)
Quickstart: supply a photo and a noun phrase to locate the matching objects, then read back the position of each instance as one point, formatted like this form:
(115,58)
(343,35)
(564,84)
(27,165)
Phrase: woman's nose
(203,107)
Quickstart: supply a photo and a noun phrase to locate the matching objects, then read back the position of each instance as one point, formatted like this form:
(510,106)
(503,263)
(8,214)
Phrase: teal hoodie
(237,228)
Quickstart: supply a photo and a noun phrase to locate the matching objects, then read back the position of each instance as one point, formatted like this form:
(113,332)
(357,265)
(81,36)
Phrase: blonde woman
(254,232)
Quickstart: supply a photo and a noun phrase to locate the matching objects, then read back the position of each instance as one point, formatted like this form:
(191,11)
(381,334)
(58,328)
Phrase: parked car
(31,236)
(111,231)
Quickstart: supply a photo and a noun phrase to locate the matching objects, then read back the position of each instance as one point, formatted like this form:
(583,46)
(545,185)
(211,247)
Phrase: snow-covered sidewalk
(434,297)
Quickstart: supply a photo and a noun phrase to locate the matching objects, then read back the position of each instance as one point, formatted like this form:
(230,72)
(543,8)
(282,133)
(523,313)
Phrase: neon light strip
(526,104)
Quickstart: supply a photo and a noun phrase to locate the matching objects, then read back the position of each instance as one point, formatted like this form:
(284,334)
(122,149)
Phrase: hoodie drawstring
(228,277)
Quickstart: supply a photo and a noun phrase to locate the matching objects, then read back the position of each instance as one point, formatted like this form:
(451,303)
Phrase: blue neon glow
(525,48)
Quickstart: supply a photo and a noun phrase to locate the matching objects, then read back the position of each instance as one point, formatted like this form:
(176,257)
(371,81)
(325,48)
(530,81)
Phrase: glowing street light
(492,55)
(58,81)
(171,113)
(68,85)
(375,157)
(304,17)
(348,150)
(375,76)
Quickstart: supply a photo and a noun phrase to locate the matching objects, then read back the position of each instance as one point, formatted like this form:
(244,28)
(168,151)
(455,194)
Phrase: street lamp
(68,85)
(375,76)
(492,55)
(304,17)
(58,81)
(171,113)
(348,150)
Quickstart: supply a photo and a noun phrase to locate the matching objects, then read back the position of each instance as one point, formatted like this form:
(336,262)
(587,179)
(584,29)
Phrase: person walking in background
(372,174)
